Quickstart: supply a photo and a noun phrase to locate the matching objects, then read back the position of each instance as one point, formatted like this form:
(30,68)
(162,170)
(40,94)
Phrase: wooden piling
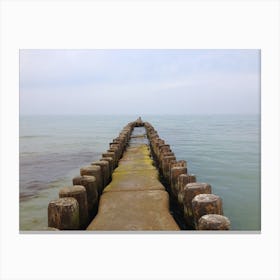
(166,166)
(183,180)
(63,214)
(175,172)
(113,156)
(94,170)
(204,204)
(117,149)
(190,191)
(79,193)
(89,182)
(105,170)
(111,166)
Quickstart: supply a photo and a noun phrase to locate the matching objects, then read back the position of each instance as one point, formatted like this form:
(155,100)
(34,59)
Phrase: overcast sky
(139,81)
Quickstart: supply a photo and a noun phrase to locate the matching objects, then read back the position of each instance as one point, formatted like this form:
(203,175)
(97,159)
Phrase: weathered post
(113,156)
(157,143)
(104,165)
(111,167)
(204,204)
(175,172)
(213,222)
(116,148)
(116,152)
(189,192)
(63,214)
(94,170)
(89,182)
(161,157)
(183,180)
(165,166)
(79,193)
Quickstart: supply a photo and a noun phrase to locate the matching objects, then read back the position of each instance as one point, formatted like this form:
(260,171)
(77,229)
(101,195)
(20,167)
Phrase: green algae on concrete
(135,172)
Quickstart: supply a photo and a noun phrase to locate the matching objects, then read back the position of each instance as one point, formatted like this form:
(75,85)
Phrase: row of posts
(77,205)
(201,209)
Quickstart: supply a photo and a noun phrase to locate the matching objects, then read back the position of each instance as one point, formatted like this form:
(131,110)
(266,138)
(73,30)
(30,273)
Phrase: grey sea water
(222,150)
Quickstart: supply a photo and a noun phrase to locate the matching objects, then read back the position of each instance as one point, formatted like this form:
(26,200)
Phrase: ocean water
(222,150)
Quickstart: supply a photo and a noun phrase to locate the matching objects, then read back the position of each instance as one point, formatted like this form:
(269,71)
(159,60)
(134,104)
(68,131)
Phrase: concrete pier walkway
(135,199)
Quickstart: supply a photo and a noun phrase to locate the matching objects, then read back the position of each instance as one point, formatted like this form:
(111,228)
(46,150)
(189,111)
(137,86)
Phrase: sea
(221,150)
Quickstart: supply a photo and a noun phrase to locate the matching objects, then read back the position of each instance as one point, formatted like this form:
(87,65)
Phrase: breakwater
(131,187)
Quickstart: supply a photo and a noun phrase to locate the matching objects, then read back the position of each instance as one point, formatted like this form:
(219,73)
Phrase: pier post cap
(76,189)
(158,141)
(100,163)
(64,201)
(183,176)
(83,179)
(213,222)
(161,146)
(126,129)
(125,132)
(107,154)
(115,146)
(165,154)
(205,198)
(197,186)
(167,158)
(153,135)
(113,150)
(109,160)
(113,155)
(184,180)
(115,143)
(106,159)
(88,169)
(177,170)
(179,163)
(117,140)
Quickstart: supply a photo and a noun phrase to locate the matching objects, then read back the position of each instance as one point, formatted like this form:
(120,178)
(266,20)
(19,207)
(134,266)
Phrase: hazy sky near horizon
(139,82)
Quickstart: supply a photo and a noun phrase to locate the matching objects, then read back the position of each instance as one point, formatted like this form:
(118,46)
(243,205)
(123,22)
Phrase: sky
(140,82)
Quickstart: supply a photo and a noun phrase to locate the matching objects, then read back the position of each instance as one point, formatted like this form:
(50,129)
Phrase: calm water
(223,151)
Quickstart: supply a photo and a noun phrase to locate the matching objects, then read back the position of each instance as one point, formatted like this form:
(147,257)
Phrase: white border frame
(156,24)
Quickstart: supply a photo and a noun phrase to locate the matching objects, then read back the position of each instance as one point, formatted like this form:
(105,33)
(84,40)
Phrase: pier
(137,185)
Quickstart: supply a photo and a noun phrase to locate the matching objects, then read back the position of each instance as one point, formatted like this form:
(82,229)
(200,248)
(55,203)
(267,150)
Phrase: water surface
(222,150)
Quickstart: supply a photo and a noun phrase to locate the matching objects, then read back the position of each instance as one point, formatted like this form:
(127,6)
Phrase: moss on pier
(135,172)
(135,199)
